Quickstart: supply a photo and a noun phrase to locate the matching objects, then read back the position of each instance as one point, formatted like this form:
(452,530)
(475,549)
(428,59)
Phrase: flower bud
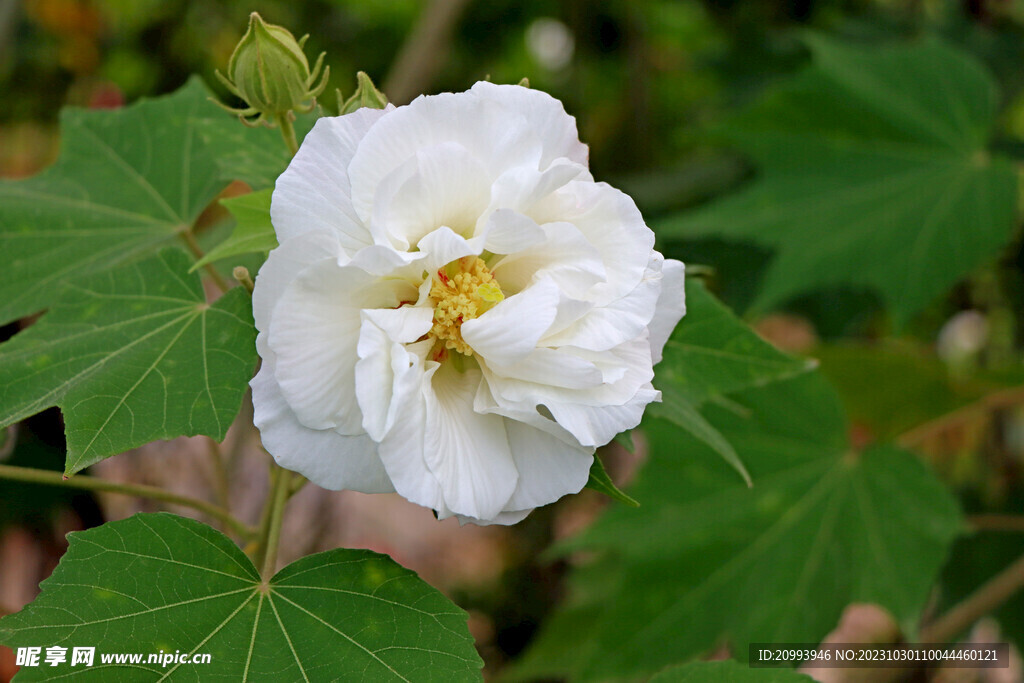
(366,95)
(269,70)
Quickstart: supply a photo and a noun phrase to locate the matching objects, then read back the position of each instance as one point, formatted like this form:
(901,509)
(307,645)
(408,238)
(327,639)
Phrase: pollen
(462,290)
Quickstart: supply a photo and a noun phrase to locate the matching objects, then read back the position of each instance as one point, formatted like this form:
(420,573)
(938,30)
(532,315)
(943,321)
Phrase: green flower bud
(366,95)
(269,70)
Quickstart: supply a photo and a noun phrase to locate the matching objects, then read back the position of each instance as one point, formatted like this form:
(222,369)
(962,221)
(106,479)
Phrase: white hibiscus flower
(457,311)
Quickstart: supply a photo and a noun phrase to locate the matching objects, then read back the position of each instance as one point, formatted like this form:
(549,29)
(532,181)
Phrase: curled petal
(313,194)
(314,333)
(321,455)
(671,306)
(510,330)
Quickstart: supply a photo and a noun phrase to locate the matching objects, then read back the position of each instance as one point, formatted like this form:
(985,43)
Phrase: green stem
(278,499)
(288,132)
(255,547)
(298,482)
(241,273)
(87,483)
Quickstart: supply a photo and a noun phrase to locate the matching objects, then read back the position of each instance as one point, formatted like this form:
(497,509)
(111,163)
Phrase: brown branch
(89,483)
(190,241)
(993,522)
(994,401)
(423,53)
(985,599)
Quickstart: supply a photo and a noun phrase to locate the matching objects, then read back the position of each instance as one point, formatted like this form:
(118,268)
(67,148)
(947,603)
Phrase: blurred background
(646,80)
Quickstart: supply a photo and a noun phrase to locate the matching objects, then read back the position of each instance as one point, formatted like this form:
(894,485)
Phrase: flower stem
(87,483)
(279,494)
(988,597)
(288,132)
(298,482)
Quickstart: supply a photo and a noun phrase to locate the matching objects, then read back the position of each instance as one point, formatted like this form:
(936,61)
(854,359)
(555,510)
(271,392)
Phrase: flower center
(462,290)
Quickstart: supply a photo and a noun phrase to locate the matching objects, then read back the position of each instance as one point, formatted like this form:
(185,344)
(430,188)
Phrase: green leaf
(712,353)
(675,408)
(158,582)
(600,481)
(873,172)
(253,233)
(255,155)
(716,672)
(706,560)
(132,355)
(127,181)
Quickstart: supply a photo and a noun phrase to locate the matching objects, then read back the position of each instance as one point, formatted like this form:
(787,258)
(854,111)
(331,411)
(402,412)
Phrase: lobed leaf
(127,182)
(161,583)
(873,172)
(712,353)
(132,355)
(706,560)
(257,155)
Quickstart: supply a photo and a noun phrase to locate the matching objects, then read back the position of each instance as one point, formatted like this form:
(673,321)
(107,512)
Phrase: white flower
(457,311)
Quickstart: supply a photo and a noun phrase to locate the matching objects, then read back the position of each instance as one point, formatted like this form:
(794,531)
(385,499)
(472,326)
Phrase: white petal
(446,186)
(671,306)
(499,140)
(552,367)
(402,448)
(386,369)
(569,311)
(402,325)
(443,246)
(503,518)
(314,191)
(611,223)
(597,425)
(625,370)
(325,457)
(508,232)
(544,114)
(565,256)
(314,330)
(510,330)
(604,327)
(381,259)
(522,188)
(467,452)
(548,467)
(281,267)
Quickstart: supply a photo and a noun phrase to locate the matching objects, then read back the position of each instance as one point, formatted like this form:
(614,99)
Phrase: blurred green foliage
(643,76)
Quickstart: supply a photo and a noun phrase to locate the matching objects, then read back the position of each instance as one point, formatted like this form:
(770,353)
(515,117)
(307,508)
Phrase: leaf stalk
(89,483)
(279,494)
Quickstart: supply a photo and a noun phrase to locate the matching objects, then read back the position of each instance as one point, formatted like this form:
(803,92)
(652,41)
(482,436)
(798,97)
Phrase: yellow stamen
(462,290)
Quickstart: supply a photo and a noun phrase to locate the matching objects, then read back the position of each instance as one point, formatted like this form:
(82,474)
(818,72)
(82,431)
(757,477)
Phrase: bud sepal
(269,71)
